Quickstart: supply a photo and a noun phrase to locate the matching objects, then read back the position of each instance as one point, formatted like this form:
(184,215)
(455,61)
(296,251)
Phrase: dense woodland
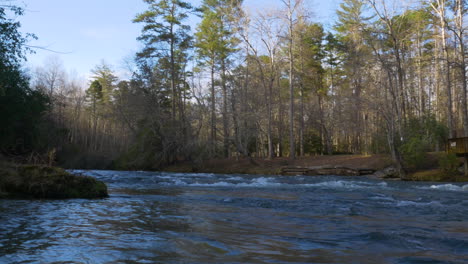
(388,77)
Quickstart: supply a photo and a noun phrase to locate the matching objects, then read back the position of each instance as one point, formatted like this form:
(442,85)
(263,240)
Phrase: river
(206,218)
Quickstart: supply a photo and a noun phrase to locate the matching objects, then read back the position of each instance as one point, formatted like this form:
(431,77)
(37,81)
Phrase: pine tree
(94,98)
(351,31)
(309,69)
(166,38)
(216,42)
(108,81)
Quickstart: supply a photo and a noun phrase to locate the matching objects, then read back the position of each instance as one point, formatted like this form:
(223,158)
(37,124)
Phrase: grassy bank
(42,182)
(437,175)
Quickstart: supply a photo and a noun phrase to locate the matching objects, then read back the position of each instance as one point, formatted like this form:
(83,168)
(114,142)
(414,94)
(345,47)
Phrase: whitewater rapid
(157,217)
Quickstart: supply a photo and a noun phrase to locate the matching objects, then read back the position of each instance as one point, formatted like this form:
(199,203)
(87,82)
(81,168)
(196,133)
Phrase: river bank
(381,164)
(45,182)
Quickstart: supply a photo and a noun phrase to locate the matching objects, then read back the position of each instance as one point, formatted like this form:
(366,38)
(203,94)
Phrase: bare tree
(439,7)
(266,30)
(292,8)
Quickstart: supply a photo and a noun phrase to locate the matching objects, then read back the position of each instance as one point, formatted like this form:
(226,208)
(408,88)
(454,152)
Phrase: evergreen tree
(351,32)
(310,76)
(94,97)
(108,81)
(166,38)
(21,108)
(216,42)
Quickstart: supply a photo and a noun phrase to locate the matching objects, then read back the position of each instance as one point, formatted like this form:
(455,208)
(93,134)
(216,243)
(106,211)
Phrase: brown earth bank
(377,166)
(275,166)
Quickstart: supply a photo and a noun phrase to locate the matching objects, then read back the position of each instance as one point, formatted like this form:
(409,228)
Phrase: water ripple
(207,218)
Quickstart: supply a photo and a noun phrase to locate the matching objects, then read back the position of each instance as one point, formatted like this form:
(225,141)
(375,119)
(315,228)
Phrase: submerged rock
(43,182)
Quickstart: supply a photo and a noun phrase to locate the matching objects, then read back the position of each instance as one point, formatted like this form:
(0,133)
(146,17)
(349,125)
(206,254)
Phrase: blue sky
(89,31)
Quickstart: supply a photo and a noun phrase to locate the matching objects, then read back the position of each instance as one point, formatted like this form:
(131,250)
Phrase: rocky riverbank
(373,166)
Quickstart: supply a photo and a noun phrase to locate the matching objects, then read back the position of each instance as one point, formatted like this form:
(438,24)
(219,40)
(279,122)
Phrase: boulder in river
(43,182)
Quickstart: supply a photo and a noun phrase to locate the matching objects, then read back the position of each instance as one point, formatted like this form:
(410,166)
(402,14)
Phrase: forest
(387,77)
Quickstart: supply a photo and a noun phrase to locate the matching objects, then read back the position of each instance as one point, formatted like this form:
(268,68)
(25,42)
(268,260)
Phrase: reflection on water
(206,218)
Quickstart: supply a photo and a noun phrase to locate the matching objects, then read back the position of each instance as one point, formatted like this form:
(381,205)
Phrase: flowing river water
(207,218)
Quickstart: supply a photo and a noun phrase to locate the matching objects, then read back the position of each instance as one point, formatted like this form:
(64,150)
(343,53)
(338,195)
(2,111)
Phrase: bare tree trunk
(237,129)
(173,70)
(225,111)
(292,147)
(326,137)
(450,123)
(281,121)
(441,12)
(269,107)
(358,116)
(270,121)
(464,96)
(302,94)
(173,86)
(422,108)
(291,6)
(401,86)
(213,113)
(459,33)
(396,156)
(302,124)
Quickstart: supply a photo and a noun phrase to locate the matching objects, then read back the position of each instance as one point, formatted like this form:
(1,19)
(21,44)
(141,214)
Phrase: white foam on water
(257,182)
(350,185)
(210,180)
(166,177)
(412,203)
(265,182)
(190,175)
(383,198)
(383,184)
(334,184)
(175,182)
(215,184)
(448,187)
(236,179)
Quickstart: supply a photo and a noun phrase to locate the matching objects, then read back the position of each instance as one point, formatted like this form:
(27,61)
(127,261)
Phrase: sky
(84,33)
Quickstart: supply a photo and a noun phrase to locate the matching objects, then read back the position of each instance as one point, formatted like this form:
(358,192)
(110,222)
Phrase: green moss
(28,181)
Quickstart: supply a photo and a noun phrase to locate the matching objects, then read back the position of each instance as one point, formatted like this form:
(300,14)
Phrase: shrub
(414,152)
(449,163)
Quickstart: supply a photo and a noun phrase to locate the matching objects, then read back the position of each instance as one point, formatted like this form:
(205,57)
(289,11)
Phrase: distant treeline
(387,77)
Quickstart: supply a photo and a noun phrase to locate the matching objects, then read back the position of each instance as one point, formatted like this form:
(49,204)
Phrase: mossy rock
(42,182)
